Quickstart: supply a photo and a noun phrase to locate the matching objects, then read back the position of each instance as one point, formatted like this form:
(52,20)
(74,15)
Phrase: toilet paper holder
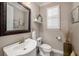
(58,38)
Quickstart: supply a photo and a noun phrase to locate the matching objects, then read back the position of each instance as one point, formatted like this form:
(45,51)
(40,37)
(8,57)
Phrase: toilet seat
(46,47)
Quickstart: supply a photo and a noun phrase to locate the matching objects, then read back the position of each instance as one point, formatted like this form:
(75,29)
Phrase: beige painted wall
(6,40)
(75,32)
(34,11)
(49,36)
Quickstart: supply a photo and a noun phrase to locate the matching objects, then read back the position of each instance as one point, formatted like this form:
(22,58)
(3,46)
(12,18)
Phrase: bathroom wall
(6,40)
(34,12)
(49,35)
(75,32)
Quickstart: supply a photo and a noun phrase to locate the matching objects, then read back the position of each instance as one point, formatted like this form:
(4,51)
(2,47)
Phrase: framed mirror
(15,18)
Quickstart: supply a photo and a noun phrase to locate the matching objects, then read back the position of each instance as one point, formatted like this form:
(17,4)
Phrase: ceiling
(42,3)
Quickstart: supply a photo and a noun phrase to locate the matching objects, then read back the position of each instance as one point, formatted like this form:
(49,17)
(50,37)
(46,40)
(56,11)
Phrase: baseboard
(57,51)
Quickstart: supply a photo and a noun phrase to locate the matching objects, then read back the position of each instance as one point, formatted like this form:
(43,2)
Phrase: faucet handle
(21,40)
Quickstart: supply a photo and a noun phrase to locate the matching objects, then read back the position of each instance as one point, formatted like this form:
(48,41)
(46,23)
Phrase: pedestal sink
(27,48)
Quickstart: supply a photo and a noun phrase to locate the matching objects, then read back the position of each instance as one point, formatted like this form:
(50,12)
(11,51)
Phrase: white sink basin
(24,48)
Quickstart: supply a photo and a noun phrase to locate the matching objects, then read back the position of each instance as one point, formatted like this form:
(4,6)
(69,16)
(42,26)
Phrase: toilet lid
(45,46)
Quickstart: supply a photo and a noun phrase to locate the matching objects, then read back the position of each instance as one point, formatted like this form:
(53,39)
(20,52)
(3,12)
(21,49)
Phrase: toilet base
(42,53)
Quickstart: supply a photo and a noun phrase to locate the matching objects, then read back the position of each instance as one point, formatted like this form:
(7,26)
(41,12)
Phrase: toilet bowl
(45,50)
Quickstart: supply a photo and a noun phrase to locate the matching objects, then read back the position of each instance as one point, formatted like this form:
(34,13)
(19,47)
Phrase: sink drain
(24,49)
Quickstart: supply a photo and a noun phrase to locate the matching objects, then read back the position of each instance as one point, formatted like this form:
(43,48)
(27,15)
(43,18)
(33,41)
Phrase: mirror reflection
(17,17)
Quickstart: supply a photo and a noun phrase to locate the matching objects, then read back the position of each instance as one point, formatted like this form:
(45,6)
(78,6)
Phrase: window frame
(52,16)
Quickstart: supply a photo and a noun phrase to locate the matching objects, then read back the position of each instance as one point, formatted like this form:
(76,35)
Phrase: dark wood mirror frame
(3,19)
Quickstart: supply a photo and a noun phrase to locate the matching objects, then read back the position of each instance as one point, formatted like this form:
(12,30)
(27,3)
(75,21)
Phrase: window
(53,17)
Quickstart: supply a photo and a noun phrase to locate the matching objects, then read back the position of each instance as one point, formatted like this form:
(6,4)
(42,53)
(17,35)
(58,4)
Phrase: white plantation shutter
(53,17)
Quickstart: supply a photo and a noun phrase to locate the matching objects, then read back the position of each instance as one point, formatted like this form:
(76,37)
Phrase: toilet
(44,49)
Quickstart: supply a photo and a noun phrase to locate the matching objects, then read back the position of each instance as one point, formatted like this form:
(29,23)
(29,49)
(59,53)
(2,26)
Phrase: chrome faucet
(21,41)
